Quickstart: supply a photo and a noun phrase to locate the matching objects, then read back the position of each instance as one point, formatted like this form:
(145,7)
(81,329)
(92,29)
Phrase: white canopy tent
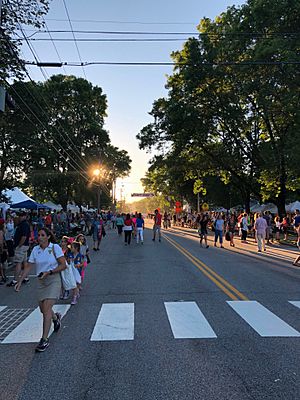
(293,206)
(15,195)
(53,206)
(73,208)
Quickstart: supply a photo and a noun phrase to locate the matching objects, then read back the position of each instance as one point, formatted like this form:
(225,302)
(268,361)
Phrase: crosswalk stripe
(263,321)
(115,322)
(30,330)
(2,308)
(295,303)
(187,321)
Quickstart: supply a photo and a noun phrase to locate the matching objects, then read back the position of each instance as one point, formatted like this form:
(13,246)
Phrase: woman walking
(128,228)
(219,229)
(231,224)
(203,222)
(119,224)
(49,260)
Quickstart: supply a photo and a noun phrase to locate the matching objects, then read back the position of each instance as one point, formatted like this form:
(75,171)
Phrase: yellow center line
(224,285)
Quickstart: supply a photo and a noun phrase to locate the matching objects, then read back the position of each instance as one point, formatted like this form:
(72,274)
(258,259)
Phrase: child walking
(77,269)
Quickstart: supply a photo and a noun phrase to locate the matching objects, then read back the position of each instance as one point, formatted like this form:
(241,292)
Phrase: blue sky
(130,90)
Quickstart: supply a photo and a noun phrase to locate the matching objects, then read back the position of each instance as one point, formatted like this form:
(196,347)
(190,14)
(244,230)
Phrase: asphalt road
(162,360)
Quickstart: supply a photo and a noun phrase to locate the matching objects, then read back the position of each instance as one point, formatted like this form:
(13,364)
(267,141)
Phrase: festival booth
(53,206)
(291,208)
(73,208)
(29,205)
(15,195)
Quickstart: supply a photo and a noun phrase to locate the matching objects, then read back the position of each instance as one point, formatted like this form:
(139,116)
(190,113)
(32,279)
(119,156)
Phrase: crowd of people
(56,244)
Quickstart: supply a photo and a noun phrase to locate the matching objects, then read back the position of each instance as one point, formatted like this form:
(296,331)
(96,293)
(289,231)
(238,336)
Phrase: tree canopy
(232,109)
(53,138)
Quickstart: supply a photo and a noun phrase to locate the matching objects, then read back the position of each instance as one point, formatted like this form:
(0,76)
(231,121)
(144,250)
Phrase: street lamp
(97,173)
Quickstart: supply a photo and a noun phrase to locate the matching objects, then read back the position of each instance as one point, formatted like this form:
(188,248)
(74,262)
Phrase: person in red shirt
(127,228)
(157,225)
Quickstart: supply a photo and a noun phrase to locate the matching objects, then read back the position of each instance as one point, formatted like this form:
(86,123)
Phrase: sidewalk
(275,251)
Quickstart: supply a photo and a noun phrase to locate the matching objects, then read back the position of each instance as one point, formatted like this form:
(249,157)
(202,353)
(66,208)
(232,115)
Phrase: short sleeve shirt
(23,229)
(45,259)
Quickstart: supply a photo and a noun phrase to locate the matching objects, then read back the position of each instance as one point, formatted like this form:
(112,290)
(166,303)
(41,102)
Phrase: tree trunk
(281,199)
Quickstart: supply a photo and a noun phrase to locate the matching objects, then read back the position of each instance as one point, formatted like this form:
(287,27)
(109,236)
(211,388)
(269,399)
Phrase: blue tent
(29,205)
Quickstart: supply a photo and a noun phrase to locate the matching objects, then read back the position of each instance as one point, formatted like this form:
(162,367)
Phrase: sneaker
(66,295)
(11,283)
(26,280)
(153,240)
(42,346)
(159,240)
(207,247)
(56,322)
(74,301)
(142,242)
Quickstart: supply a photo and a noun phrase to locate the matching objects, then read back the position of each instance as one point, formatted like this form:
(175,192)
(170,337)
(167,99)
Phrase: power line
(204,34)
(73,163)
(42,109)
(45,128)
(68,16)
(104,40)
(51,38)
(154,63)
(123,22)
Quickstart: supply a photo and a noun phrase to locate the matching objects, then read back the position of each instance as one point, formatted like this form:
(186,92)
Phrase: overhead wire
(158,63)
(65,133)
(123,22)
(68,16)
(58,149)
(54,45)
(74,163)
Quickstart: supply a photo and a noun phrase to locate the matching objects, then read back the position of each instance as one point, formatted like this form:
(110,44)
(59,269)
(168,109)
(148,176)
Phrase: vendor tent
(15,195)
(29,205)
(53,206)
(73,208)
(270,207)
(293,206)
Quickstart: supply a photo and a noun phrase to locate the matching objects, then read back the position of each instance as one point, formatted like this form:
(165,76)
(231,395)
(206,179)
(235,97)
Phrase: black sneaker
(57,323)
(11,283)
(42,346)
(26,280)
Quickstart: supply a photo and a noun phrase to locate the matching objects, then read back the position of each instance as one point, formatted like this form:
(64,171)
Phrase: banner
(142,194)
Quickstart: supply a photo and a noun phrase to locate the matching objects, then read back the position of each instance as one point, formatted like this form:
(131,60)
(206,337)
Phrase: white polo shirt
(45,259)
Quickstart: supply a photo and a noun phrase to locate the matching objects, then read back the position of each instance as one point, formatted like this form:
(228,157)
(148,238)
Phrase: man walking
(261,227)
(157,225)
(21,243)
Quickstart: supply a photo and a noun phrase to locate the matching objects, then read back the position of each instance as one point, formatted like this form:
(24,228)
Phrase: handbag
(67,278)
(227,236)
(76,274)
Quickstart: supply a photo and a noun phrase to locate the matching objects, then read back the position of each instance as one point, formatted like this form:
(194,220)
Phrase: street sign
(142,194)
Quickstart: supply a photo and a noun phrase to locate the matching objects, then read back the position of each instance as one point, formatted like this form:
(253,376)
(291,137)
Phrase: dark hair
(139,215)
(49,233)
(127,216)
(76,245)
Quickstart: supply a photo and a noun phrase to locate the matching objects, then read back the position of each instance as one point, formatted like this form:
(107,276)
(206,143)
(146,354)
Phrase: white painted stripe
(295,303)
(115,322)
(263,321)
(2,308)
(187,321)
(30,330)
